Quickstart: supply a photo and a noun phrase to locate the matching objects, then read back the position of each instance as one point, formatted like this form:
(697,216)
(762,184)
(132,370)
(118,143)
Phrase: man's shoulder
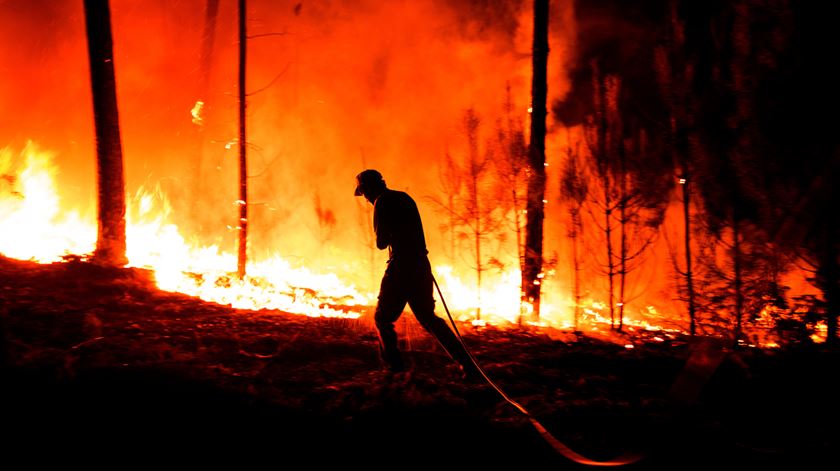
(403,196)
(396,196)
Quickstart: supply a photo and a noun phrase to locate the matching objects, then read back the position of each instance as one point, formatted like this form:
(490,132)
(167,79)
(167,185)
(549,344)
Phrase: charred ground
(98,363)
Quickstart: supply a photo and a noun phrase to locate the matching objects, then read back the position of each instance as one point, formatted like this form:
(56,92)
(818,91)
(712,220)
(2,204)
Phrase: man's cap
(368,178)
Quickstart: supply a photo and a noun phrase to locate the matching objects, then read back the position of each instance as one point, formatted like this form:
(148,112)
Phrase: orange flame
(33,226)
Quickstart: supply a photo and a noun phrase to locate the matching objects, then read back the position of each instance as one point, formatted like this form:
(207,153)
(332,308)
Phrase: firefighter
(408,276)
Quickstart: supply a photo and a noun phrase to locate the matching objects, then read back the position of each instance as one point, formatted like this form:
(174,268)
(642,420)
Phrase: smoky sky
(621,37)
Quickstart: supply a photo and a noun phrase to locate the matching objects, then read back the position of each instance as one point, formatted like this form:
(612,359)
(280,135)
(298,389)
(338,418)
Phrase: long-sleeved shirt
(397,225)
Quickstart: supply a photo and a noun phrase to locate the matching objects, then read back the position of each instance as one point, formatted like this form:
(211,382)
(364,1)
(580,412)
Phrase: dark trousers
(409,280)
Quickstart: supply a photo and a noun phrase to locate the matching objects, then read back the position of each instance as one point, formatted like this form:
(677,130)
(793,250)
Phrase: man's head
(369,184)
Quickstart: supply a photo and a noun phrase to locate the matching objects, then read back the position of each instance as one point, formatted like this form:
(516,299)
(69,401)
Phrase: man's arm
(381,225)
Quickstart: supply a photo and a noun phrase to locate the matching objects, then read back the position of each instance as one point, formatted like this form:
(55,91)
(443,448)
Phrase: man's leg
(422,305)
(391,304)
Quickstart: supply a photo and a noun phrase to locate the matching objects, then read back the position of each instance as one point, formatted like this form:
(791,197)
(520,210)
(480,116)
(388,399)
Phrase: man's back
(397,224)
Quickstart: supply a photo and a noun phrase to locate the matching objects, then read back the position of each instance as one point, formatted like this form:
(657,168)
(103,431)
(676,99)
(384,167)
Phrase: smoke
(621,37)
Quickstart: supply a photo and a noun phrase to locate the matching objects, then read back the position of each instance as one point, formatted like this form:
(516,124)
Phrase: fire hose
(556,444)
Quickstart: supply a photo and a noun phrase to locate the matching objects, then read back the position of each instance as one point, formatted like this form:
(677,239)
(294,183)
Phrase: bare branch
(276,78)
(263,35)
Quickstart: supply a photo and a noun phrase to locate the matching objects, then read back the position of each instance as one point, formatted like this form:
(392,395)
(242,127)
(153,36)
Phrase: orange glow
(353,85)
(31,221)
(33,228)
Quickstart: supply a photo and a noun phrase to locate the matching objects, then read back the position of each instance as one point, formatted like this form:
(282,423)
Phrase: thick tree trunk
(242,245)
(532,275)
(110,242)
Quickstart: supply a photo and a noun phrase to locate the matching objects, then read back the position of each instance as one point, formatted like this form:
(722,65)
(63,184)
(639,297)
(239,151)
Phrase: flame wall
(363,84)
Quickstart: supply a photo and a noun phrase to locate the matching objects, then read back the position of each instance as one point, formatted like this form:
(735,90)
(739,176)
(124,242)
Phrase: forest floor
(98,365)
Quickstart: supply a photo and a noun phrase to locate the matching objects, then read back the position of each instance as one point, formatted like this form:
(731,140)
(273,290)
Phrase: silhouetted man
(408,277)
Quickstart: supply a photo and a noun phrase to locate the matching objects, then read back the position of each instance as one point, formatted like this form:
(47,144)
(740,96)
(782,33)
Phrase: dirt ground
(100,368)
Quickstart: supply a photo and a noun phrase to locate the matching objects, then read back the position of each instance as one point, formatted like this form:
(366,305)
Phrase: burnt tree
(601,134)
(242,239)
(642,199)
(791,85)
(732,172)
(532,274)
(110,242)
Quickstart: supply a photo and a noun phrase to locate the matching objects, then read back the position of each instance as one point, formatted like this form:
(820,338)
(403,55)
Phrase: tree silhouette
(574,189)
(242,202)
(600,132)
(451,181)
(642,198)
(675,72)
(110,242)
(473,206)
(532,274)
(734,164)
(512,166)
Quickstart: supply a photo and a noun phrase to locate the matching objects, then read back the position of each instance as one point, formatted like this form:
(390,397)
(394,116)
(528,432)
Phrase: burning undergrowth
(37,225)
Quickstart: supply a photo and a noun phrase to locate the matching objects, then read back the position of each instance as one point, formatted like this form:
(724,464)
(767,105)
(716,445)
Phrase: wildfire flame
(35,226)
(31,223)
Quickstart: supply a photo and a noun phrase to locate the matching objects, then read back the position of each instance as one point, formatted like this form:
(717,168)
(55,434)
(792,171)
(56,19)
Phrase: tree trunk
(739,295)
(622,205)
(110,242)
(688,270)
(677,81)
(831,293)
(573,191)
(242,246)
(519,255)
(604,173)
(451,227)
(576,222)
(828,279)
(610,258)
(532,275)
(477,233)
